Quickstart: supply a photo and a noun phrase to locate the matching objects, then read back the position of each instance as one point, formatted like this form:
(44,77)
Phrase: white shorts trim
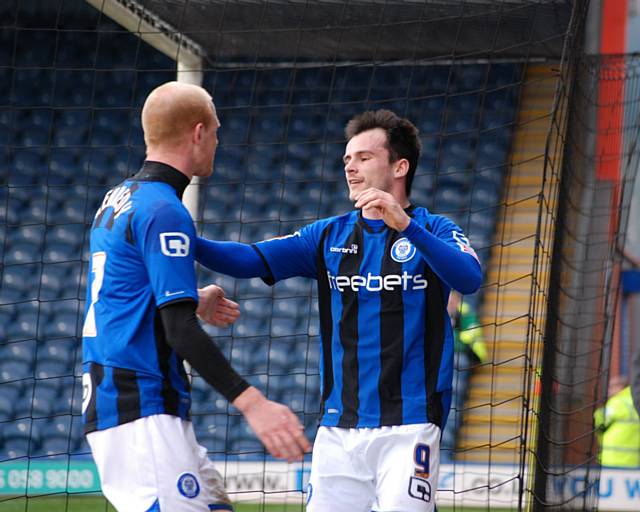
(156,458)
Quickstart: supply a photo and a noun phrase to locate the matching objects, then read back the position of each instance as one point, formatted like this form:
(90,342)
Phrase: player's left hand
(214,308)
(389,208)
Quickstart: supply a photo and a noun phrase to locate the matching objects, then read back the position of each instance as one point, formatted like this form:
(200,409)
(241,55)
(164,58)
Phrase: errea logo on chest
(345,250)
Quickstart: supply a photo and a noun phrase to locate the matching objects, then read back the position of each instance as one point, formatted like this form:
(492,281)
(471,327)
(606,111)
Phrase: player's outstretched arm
(231,258)
(214,308)
(275,425)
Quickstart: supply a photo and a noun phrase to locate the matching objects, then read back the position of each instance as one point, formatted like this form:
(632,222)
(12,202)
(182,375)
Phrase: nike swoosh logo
(170,294)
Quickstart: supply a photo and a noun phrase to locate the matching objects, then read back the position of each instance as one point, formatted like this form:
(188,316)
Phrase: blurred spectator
(618,427)
(470,350)
(467,332)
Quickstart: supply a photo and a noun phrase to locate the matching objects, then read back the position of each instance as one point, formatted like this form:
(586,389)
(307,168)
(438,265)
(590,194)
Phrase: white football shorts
(155,464)
(386,469)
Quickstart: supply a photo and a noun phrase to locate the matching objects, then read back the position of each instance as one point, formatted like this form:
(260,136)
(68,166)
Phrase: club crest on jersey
(188,485)
(174,244)
(402,250)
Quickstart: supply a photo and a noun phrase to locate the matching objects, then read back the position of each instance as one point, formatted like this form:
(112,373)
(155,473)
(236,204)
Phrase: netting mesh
(599,172)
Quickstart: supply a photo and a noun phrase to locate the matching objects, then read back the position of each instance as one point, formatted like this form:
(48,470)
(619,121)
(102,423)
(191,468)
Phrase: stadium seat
(18,439)
(80,446)
(56,436)
(19,282)
(6,407)
(73,87)
(212,430)
(62,324)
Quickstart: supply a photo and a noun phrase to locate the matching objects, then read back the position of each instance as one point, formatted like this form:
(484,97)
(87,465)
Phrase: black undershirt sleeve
(186,336)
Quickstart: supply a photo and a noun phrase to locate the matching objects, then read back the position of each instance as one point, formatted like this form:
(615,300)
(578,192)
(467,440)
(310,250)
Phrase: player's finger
(289,447)
(224,316)
(228,310)
(274,446)
(230,303)
(296,430)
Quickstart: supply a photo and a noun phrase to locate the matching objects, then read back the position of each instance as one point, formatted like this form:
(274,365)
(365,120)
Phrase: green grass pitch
(97,504)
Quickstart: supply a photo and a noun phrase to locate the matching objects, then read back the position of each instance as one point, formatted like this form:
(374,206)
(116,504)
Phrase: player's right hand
(275,425)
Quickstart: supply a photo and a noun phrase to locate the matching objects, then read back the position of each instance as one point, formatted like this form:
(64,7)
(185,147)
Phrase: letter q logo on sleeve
(174,244)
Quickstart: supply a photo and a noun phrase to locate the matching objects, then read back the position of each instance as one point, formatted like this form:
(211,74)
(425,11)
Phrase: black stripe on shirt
(96,374)
(169,394)
(391,340)
(350,266)
(128,401)
(326,321)
(434,333)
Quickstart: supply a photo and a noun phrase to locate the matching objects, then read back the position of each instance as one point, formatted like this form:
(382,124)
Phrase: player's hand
(387,206)
(214,308)
(275,425)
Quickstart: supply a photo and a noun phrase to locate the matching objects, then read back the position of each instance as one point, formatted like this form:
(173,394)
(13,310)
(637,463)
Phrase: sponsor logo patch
(174,244)
(188,485)
(402,250)
(463,244)
(420,489)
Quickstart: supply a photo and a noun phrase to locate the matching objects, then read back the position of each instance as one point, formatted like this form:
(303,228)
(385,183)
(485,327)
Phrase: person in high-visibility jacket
(618,426)
(467,332)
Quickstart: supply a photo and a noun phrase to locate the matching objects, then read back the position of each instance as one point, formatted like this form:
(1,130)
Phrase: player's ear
(401,169)
(197,133)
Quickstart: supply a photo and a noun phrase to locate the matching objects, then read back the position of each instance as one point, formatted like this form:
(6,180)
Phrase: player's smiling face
(366,162)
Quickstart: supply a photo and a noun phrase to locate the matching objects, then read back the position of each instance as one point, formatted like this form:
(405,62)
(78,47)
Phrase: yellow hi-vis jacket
(619,431)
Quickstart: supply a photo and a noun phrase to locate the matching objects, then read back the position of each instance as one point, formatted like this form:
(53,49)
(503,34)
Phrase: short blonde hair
(172,110)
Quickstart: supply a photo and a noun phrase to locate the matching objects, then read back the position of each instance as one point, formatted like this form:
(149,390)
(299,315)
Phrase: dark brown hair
(402,137)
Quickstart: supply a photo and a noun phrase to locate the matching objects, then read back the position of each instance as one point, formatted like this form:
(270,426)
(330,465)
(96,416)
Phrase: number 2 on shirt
(98,260)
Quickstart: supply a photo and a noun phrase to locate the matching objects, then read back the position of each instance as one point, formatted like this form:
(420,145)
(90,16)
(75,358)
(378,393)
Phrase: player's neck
(175,160)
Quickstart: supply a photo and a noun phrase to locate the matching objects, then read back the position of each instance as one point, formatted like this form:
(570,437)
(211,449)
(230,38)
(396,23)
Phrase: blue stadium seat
(306,124)
(251,355)
(55,281)
(73,87)
(100,166)
(71,136)
(502,74)
(267,126)
(62,325)
(448,199)
(56,436)
(22,403)
(24,327)
(19,282)
(236,126)
(6,407)
(18,439)
(44,398)
(252,322)
(211,431)
(484,195)
(63,166)
(243,442)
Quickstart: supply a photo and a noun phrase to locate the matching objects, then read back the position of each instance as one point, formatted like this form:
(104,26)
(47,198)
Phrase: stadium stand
(74,132)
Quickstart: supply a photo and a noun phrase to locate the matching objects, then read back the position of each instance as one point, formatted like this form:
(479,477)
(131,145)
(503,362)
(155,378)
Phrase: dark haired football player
(384,274)
(140,324)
